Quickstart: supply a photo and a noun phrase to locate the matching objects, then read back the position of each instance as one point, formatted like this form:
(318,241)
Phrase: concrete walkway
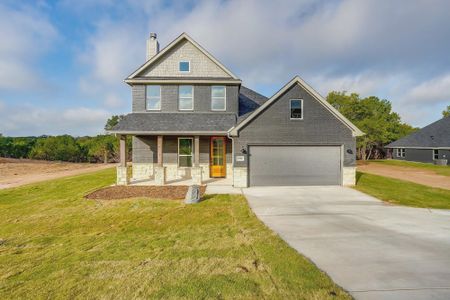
(371,249)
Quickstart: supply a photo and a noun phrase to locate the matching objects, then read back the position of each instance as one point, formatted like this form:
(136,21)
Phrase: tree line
(97,149)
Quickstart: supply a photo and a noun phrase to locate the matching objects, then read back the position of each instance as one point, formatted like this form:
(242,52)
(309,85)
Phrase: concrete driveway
(371,249)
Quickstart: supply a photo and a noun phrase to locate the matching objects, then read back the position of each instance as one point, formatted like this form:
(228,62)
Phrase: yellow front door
(217,160)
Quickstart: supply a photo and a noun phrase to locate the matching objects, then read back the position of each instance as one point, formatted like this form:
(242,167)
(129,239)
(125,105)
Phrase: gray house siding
(169,98)
(318,127)
(421,155)
(145,149)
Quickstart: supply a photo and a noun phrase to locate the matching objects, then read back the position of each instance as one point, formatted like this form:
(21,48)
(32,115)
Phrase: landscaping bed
(155,192)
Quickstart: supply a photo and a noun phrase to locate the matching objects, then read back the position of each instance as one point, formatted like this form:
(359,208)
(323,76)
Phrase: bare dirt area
(17,172)
(157,192)
(416,175)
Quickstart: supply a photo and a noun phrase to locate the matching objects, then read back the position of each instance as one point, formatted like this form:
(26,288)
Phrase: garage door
(295,165)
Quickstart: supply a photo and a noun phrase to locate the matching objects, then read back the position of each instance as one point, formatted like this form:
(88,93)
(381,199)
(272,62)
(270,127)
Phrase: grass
(402,192)
(56,244)
(441,170)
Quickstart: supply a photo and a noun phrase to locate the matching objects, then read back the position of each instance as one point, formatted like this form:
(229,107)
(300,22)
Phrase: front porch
(176,160)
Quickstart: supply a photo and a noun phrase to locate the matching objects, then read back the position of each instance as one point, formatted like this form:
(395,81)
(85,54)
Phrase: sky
(62,63)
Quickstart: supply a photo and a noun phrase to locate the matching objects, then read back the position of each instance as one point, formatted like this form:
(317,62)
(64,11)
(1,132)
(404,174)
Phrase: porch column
(197,151)
(196,171)
(122,172)
(160,170)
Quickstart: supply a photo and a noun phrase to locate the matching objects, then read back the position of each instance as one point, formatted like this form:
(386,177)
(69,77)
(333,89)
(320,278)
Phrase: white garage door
(294,165)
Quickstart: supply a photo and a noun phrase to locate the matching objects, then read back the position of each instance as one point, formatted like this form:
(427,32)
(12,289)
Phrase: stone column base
(349,176)
(160,175)
(122,176)
(142,171)
(196,173)
(240,177)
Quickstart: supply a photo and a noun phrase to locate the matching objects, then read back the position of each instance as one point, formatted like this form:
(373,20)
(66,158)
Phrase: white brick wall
(201,65)
(142,171)
(349,176)
(240,177)
(122,175)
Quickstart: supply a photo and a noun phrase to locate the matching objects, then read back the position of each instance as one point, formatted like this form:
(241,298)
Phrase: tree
(113,121)
(374,117)
(101,148)
(63,148)
(446,112)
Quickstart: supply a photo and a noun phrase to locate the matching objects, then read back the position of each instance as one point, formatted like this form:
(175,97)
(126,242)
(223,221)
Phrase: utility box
(192,195)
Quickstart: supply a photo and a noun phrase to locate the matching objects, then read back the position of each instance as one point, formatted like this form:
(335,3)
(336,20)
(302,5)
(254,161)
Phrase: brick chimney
(152,46)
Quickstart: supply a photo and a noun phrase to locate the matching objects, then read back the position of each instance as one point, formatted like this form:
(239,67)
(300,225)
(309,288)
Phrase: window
(184,66)
(218,101)
(185,152)
(186,97)
(296,109)
(153,99)
(435,154)
(400,152)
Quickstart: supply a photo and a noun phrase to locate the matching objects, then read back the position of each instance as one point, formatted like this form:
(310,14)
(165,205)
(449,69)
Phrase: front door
(217,157)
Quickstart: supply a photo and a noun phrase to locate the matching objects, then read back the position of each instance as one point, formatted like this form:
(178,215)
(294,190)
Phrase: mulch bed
(156,192)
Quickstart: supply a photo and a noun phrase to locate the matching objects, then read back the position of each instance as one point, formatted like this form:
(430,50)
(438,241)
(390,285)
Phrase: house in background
(429,144)
(192,119)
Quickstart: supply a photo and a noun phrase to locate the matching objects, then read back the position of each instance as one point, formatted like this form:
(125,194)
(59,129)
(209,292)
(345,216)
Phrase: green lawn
(441,170)
(56,244)
(402,192)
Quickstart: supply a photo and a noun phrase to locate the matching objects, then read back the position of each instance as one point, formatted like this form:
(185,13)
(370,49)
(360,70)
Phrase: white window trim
(192,151)
(187,109)
(182,61)
(434,158)
(224,98)
(401,152)
(290,109)
(146,98)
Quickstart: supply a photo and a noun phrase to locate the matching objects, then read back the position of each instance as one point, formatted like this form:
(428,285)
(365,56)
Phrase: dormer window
(184,66)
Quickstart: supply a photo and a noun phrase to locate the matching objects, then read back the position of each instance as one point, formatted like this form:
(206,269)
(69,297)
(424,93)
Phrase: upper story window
(218,99)
(153,97)
(186,97)
(435,154)
(296,109)
(184,66)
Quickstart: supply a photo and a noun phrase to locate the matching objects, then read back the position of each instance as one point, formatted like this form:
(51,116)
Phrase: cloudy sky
(62,63)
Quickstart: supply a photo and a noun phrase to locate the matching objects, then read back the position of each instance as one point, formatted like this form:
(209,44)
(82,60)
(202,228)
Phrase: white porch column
(160,170)
(196,170)
(122,172)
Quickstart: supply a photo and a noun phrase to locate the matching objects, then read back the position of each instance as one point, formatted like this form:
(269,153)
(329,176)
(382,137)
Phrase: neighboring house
(192,119)
(426,145)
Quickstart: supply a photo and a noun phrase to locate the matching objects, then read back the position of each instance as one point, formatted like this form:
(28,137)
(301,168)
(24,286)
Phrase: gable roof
(435,135)
(249,101)
(316,95)
(171,45)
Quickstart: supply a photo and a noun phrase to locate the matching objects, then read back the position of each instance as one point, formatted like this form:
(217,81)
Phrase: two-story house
(193,119)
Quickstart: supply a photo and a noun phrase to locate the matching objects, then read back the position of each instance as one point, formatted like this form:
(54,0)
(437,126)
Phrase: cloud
(26,35)
(435,90)
(27,119)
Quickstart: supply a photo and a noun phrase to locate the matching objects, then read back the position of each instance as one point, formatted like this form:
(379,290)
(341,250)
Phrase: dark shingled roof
(435,135)
(175,122)
(249,101)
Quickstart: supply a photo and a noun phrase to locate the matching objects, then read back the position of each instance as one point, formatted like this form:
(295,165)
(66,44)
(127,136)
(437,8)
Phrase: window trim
(224,98)
(183,61)
(192,151)
(146,98)
(290,109)
(192,106)
(401,152)
(435,154)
